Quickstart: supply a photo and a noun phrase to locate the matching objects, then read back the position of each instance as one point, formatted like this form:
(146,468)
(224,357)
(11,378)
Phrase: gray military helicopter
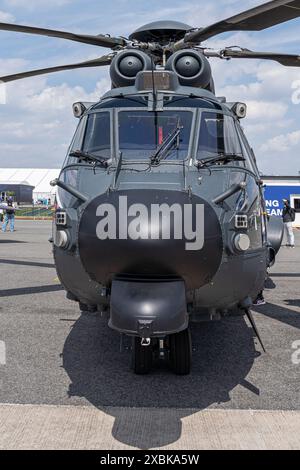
(161,218)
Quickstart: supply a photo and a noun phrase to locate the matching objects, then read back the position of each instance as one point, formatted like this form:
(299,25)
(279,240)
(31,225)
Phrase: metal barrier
(35,212)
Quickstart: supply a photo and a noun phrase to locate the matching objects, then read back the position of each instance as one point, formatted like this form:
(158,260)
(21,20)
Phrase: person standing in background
(289,216)
(9,217)
(1,209)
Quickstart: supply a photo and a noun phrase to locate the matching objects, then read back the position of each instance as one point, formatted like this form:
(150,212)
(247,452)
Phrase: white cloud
(6,17)
(37,124)
(9,66)
(282,143)
(58,98)
(262,110)
(266,87)
(205,13)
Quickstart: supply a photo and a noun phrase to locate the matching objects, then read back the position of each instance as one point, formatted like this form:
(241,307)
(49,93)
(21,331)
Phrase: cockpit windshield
(142,132)
(218,136)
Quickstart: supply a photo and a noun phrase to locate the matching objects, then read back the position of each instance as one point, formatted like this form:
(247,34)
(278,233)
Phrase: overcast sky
(36,124)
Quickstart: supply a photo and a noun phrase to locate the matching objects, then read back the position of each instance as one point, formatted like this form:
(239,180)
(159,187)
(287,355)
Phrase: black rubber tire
(87,308)
(180,350)
(142,357)
(83,307)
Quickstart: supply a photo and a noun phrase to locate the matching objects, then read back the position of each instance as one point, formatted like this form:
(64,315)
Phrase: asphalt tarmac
(54,355)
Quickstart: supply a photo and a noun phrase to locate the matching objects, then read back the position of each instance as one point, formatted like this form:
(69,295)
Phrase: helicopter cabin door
(295,204)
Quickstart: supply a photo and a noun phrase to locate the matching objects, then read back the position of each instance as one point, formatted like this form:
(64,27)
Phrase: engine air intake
(126,65)
(191,67)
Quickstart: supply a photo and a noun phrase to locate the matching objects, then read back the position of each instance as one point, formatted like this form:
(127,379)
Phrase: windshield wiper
(164,148)
(90,157)
(222,157)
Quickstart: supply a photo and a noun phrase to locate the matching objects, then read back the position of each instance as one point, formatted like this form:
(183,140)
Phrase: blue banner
(274,196)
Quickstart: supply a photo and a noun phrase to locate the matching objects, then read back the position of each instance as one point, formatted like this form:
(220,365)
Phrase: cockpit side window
(247,151)
(217,136)
(97,139)
(76,142)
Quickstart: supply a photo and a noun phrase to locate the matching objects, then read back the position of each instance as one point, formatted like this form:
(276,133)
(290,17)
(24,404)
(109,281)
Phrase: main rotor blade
(289,60)
(103,41)
(105,60)
(258,18)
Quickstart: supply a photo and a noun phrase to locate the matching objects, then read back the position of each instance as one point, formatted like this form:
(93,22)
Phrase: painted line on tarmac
(2,353)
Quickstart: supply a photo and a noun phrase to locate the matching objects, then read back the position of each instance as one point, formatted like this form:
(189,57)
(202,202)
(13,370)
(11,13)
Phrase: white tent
(39,178)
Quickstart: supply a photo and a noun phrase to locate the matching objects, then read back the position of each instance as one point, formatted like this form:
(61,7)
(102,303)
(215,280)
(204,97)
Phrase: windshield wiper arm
(89,156)
(224,157)
(164,148)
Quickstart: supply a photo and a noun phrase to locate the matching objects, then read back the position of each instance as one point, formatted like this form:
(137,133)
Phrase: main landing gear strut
(255,329)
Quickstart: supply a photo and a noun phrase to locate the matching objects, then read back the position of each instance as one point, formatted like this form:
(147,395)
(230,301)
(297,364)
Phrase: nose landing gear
(177,350)
(142,356)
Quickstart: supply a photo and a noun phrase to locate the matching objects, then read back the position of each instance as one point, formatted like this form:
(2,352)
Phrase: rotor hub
(161,31)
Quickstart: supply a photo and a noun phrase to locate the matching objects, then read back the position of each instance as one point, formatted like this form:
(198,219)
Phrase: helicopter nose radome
(146,234)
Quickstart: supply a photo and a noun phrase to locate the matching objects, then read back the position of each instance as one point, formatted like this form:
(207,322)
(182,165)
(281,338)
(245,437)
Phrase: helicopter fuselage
(160,241)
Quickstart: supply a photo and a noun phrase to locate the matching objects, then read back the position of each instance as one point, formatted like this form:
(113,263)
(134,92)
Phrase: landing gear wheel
(142,357)
(180,352)
(87,308)
(83,307)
